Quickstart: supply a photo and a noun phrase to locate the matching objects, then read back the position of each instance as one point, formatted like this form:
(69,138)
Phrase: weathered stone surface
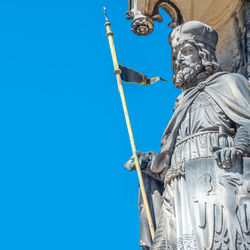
(247,36)
(219,203)
(232,44)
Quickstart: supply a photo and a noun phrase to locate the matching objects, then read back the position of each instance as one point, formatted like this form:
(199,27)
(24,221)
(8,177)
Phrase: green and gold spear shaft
(125,109)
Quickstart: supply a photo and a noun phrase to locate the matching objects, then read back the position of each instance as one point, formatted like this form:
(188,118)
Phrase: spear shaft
(117,72)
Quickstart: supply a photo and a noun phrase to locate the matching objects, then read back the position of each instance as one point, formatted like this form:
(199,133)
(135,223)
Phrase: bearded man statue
(202,171)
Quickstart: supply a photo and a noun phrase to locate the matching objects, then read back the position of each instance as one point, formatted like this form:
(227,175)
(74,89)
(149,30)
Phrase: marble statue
(198,185)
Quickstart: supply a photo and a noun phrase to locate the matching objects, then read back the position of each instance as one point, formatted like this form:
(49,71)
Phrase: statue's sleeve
(148,170)
(154,189)
(242,140)
(231,92)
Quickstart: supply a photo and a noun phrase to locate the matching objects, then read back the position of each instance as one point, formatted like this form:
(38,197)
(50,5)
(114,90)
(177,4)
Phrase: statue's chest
(203,101)
(204,114)
(199,130)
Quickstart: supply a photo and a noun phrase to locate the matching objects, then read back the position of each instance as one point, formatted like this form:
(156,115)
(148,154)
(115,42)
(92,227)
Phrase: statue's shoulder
(229,79)
(235,77)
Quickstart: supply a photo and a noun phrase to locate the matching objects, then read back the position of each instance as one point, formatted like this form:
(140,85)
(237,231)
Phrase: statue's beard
(185,74)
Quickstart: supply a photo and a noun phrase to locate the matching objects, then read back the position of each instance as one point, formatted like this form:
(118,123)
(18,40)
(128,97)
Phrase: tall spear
(118,72)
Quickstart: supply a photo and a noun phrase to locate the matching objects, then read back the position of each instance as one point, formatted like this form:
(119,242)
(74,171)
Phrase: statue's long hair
(208,57)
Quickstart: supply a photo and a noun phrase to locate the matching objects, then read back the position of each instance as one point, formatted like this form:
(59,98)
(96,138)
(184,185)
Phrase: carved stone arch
(171,9)
(144,13)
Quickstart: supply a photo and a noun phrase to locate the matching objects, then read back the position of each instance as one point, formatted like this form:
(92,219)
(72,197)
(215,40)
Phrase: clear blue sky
(63,138)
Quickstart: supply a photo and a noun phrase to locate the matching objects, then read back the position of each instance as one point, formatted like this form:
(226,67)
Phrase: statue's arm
(148,169)
(146,160)
(242,141)
(227,156)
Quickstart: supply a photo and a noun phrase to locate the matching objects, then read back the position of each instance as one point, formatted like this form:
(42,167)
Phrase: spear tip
(105,14)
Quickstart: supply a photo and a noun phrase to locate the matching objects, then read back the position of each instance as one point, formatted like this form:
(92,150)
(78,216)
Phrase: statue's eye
(187,50)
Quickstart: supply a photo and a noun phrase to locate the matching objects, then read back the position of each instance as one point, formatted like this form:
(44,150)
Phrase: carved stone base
(219,203)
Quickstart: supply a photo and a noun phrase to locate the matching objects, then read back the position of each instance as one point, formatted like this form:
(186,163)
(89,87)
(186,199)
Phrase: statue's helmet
(194,31)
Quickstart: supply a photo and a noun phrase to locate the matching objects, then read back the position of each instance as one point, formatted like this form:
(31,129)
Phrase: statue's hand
(226,157)
(144,159)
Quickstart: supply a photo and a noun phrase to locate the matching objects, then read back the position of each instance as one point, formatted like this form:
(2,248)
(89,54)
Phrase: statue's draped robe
(222,100)
(230,92)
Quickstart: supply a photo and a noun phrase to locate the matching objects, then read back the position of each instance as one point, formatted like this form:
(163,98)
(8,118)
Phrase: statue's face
(186,64)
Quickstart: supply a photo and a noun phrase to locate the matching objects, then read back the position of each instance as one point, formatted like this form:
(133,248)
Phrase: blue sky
(63,137)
